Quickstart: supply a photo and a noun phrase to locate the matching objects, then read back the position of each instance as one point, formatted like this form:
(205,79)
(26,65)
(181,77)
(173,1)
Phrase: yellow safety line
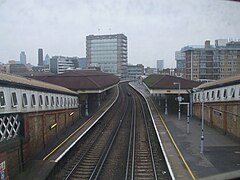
(179,152)
(49,154)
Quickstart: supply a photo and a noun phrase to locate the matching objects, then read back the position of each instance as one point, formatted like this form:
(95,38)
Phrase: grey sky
(155,28)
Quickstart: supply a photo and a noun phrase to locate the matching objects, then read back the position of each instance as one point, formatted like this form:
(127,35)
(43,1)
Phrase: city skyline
(155,29)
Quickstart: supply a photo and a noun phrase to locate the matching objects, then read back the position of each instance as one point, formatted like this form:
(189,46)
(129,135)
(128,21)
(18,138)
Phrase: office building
(134,71)
(23,58)
(109,52)
(40,57)
(180,61)
(160,65)
(150,70)
(83,63)
(212,62)
(46,60)
(59,64)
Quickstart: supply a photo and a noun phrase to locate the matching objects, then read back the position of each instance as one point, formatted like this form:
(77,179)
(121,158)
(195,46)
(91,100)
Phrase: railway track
(123,145)
(143,160)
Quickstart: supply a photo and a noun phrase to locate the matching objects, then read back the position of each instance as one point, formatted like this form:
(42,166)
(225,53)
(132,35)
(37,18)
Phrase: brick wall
(36,132)
(222,115)
(41,128)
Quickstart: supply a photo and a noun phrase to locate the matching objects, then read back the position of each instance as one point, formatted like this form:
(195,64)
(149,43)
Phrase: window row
(220,94)
(31,99)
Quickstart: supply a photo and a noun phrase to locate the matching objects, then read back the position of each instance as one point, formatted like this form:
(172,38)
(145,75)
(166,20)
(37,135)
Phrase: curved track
(122,145)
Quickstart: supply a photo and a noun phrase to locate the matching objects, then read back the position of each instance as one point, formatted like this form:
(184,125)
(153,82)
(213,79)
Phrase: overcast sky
(155,28)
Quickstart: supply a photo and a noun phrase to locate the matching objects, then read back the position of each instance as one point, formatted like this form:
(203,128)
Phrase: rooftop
(221,82)
(19,81)
(81,80)
(157,81)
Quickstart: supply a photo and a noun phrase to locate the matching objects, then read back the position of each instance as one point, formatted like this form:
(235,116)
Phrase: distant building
(169,71)
(23,58)
(40,57)
(221,42)
(160,65)
(134,71)
(18,69)
(2,68)
(149,70)
(13,62)
(46,60)
(83,63)
(212,62)
(59,64)
(109,52)
(180,58)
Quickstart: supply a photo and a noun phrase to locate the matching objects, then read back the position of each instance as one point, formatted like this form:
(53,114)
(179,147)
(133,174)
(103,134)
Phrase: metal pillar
(188,116)
(191,104)
(188,109)
(86,106)
(159,100)
(202,136)
(166,111)
(99,101)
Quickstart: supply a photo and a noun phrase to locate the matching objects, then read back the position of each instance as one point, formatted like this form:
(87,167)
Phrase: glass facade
(109,52)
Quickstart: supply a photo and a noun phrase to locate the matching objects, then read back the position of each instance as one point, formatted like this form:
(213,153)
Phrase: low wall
(222,115)
(36,131)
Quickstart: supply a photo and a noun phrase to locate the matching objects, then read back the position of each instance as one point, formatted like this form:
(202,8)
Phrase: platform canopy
(11,80)
(83,81)
(165,84)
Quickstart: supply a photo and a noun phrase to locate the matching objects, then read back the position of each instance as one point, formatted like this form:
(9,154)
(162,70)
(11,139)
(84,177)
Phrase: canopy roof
(82,81)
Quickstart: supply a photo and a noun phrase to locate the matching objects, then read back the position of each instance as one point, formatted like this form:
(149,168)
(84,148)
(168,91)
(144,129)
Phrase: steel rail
(149,141)
(105,150)
(131,138)
(87,150)
(99,165)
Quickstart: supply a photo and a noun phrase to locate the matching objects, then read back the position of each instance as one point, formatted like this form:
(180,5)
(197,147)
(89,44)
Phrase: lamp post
(179,99)
(202,133)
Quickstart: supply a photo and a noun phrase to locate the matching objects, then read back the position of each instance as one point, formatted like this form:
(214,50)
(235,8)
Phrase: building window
(33,100)
(232,93)
(225,93)
(213,95)
(207,96)
(52,101)
(24,100)
(57,101)
(198,97)
(61,101)
(14,99)
(65,102)
(40,100)
(2,99)
(218,94)
(46,101)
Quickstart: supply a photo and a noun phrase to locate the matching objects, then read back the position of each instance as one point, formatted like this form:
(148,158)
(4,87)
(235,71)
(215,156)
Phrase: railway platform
(43,163)
(221,154)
